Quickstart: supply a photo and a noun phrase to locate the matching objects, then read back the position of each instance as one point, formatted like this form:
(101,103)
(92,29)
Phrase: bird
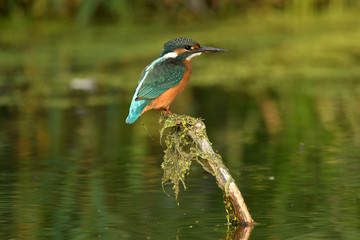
(163,79)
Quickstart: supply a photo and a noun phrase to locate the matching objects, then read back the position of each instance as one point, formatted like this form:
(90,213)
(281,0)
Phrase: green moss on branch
(186,140)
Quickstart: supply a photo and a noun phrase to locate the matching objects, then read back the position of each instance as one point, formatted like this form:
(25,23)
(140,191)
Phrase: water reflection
(80,172)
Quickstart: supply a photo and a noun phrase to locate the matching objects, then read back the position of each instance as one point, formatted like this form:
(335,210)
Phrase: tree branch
(189,135)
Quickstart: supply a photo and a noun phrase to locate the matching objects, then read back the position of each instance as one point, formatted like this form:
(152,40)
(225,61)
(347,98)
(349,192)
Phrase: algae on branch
(180,149)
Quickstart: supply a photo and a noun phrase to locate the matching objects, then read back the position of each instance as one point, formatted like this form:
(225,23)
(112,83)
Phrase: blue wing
(155,79)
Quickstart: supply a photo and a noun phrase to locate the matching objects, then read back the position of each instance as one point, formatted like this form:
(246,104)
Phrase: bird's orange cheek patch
(179,51)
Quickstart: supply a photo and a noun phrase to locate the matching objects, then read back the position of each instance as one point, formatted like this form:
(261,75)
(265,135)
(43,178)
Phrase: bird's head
(185,48)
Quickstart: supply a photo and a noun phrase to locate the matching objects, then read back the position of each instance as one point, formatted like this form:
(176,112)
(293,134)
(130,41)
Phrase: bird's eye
(187,47)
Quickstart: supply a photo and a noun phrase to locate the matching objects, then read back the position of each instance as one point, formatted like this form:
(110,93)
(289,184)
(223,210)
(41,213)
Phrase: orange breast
(166,98)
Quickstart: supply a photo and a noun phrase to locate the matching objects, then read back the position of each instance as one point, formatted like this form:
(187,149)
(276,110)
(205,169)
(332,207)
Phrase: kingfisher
(163,79)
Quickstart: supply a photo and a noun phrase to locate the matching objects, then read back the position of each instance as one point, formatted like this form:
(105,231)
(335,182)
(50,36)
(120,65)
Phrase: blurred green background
(282,107)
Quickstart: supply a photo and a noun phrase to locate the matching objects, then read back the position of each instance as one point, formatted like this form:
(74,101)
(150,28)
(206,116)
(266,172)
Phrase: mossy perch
(186,141)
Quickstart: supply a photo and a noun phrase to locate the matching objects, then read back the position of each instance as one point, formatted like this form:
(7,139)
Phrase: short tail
(136,108)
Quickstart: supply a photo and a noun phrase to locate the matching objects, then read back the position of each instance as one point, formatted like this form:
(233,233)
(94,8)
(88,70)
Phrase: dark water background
(282,107)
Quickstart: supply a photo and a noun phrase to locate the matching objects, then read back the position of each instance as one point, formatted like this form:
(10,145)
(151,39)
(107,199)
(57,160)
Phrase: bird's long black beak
(208,49)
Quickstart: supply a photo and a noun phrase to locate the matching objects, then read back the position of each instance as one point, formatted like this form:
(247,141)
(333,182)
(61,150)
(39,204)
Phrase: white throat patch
(193,55)
(170,55)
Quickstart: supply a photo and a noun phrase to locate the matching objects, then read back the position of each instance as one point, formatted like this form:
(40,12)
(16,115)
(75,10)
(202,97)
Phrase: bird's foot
(168,110)
(165,112)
